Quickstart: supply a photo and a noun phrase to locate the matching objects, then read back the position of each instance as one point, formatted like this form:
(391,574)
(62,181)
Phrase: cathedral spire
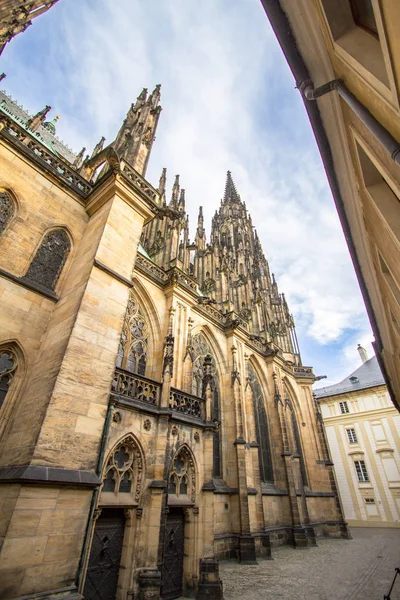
(231,194)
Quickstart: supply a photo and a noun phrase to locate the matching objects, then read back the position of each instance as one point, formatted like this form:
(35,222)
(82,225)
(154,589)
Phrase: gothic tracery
(133,347)
(182,477)
(123,472)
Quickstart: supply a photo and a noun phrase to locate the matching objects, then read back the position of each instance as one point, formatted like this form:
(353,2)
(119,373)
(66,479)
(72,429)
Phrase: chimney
(363,353)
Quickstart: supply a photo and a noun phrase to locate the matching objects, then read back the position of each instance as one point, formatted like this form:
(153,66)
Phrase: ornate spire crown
(231,193)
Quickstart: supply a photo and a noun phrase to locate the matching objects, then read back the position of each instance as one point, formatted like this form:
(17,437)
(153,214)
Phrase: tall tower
(231,271)
(135,138)
(17,15)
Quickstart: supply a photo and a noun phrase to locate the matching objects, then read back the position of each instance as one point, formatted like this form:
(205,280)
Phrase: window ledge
(30,285)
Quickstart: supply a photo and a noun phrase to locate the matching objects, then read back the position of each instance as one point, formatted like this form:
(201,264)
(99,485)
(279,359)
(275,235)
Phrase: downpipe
(96,493)
(384,137)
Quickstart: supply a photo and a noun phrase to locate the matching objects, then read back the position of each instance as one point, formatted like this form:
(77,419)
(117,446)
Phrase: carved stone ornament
(174,430)
(195,510)
(217,424)
(139,512)
(124,469)
(182,477)
(196,436)
(117,417)
(147,424)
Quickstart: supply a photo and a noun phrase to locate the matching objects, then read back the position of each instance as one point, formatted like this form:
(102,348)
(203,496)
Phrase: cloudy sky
(229,102)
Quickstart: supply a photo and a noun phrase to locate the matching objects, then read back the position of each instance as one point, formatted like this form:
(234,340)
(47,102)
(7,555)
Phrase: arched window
(124,469)
(7,209)
(50,258)
(201,349)
(182,476)
(133,345)
(8,367)
(262,432)
(296,435)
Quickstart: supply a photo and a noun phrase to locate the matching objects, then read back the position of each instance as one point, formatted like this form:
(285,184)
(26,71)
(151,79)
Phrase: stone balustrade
(135,387)
(187,404)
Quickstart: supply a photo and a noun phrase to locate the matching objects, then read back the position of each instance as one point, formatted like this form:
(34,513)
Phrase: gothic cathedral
(155,413)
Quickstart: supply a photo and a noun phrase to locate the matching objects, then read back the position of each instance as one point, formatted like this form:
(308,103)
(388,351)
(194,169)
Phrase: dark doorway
(105,555)
(172,569)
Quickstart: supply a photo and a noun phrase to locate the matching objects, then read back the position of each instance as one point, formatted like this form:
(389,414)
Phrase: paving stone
(357,569)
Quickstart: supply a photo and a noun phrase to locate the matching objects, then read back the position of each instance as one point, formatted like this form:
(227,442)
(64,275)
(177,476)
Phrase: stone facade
(156,415)
(16,16)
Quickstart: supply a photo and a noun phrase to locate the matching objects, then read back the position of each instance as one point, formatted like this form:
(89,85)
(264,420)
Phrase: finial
(79,158)
(175,191)
(51,125)
(142,96)
(98,147)
(2,76)
(162,182)
(38,119)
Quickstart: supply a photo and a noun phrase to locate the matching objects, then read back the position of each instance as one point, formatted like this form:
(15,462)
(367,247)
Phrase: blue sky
(229,102)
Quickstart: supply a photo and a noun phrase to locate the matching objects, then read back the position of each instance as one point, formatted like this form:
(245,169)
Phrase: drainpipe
(383,136)
(96,493)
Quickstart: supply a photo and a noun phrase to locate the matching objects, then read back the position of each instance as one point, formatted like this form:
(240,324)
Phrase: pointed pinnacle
(231,194)
(162,182)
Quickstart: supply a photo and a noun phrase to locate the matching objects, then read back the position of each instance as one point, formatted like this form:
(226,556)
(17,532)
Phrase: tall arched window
(7,209)
(133,346)
(8,367)
(201,349)
(262,432)
(296,435)
(50,258)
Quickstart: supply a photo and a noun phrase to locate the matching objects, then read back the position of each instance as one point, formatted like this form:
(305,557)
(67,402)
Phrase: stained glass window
(262,431)
(201,349)
(7,209)
(133,346)
(50,258)
(8,366)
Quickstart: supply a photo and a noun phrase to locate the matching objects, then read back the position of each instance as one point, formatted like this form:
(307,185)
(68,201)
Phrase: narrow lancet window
(133,346)
(50,258)
(262,431)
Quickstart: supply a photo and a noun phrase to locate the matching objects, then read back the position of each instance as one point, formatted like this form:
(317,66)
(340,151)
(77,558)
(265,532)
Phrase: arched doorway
(121,490)
(105,555)
(181,496)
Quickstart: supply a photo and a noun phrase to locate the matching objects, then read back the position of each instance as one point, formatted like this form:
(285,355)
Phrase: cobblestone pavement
(357,569)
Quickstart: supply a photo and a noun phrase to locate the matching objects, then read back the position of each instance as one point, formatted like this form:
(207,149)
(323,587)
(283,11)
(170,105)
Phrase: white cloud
(228,103)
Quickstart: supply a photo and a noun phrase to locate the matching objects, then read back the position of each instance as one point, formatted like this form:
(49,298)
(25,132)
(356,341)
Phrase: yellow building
(155,413)
(345,58)
(362,430)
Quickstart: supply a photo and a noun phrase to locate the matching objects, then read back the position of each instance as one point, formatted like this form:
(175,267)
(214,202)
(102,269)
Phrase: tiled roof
(9,107)
(366,376)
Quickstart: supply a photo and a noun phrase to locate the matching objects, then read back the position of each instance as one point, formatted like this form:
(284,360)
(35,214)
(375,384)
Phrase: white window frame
(344,407)
(351,435)
(361,471)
